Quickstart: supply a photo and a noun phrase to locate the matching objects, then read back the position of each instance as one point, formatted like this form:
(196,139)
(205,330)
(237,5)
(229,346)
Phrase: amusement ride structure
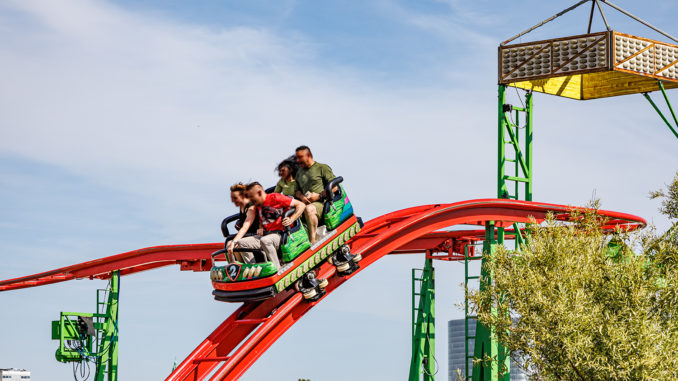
(588,66)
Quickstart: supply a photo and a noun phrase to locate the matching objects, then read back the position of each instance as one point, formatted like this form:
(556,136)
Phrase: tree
(576,303)
(670,198)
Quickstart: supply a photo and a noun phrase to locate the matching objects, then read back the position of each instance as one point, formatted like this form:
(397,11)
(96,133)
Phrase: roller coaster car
(237,282)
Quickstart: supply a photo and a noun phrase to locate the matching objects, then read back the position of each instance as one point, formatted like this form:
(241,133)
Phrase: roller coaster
(590,66)
(243,337)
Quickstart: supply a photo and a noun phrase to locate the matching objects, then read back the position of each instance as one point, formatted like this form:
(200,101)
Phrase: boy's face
(256,195)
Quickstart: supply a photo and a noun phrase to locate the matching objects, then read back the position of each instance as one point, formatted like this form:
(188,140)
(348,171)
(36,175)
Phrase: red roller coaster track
(244,336)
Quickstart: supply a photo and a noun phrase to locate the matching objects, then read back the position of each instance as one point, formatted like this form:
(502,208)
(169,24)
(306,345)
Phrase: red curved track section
(239,341)
(225,356)
(188,257)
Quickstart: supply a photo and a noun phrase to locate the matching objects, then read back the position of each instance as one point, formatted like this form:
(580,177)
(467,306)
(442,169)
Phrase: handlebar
(237,250)
(225,222)
(231,236)
(289,212)
(333,183)
(220,251)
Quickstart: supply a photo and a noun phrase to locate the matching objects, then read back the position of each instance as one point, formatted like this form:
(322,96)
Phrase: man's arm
(299,210)
(327,174)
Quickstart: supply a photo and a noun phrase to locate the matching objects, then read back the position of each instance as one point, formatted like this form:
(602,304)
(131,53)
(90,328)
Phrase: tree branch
(575,368)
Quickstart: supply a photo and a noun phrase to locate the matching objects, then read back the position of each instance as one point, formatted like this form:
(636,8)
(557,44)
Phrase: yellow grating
(590,66)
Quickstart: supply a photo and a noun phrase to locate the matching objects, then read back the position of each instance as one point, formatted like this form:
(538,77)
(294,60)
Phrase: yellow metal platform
(590,66)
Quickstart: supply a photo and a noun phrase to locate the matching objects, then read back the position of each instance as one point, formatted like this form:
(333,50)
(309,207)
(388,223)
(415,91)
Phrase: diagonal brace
(516,146)
(545,21)
(673,114)
(519,235)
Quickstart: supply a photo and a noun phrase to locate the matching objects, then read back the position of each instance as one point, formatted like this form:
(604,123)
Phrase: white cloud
(122,89)
(461,25)
(145,104)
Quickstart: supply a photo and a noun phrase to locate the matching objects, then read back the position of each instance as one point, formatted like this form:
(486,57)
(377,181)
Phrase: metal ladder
(106,319)
(468,318)
(423,361)
(514,167)
(520,150)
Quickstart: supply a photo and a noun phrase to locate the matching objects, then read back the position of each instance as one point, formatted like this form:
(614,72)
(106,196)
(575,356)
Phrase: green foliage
(577,303)
(670,198)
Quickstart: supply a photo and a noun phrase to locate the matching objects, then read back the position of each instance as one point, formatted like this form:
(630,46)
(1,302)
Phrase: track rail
(188,257)
(244,336)
(411,230)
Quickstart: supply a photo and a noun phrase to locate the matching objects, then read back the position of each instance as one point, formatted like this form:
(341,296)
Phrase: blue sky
(122,123)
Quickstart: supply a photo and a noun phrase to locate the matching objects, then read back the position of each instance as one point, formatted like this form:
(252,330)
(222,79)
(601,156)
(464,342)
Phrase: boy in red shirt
(271,208)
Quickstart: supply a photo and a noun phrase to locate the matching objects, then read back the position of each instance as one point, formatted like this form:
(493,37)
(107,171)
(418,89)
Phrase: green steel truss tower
(514,173)
(514,159)
(423,363)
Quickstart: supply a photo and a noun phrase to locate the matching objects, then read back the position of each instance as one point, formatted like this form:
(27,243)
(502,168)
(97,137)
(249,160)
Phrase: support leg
(423,361)
(661,115)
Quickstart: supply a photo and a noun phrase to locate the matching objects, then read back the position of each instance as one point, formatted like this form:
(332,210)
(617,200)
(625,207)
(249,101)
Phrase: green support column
(486,344)
(668,103)
(514,166)
(502,190)
(468,318)
(107,362)
(423,363)
(514,148)
(528,145)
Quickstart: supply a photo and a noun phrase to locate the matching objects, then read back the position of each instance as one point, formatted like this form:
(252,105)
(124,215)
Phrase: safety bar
(225,222)
(289,213)
(333,183)
(231,236)
(237,250)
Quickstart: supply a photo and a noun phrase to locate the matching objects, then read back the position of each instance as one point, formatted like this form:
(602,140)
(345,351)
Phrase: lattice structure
(590,66)
(640,55)
(423,363)
(557,57)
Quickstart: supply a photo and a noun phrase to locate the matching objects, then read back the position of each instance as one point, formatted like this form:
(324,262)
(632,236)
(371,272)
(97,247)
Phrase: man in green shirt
(311,179)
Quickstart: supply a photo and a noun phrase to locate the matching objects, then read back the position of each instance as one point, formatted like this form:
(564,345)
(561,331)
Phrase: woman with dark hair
(248,219)
(287,169)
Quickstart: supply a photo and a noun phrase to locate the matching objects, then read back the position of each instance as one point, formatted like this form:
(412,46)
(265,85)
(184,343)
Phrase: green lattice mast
(514,168)
(422,364)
